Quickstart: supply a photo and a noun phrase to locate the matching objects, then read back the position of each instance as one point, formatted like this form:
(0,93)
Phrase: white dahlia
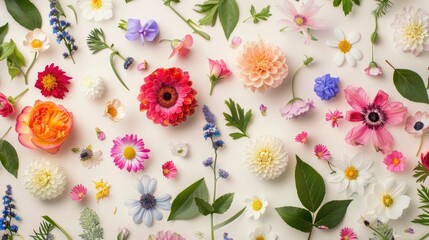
(92,86)
(411,30)
(44,179)
(266,156)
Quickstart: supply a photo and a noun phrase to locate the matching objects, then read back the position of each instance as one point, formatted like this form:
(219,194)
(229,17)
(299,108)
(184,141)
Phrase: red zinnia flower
(167,96)
(52,81)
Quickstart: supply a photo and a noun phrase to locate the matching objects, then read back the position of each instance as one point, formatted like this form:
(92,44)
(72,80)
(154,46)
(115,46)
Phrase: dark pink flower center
(374,117)
(300,20)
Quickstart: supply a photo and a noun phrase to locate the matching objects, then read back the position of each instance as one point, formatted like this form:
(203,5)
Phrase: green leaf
(223,203)
(25,13)
(12,70)
(237,135)
(3,32)
(183,206)
(228,16)
(7,49)
(423,218)
(18,58)
(347,5)
(297,218)
(51,221)
(410,85)
(309,185)
(203,206)
(332,213)
(74,12)
(9,157)
(421,173)
(336,3)
(210,9)
(229,220)
(237,118)
(263,15)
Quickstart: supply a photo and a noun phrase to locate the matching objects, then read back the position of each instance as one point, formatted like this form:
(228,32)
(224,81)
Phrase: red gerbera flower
(52,81)
(167,96)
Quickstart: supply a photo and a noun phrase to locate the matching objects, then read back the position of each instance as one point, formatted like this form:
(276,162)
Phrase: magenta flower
(147,32)
(347,234)
(296,107)
(181,47)
(129,152)
(218,71)
(321,152)
(100,134)
(373,70)
(301,21)
(334,117)
(78,192)
(263,110)
(302,137)
(169,170)
(374,116)
(395,161)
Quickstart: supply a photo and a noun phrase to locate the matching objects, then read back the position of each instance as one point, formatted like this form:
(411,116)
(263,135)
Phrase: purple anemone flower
(147,32)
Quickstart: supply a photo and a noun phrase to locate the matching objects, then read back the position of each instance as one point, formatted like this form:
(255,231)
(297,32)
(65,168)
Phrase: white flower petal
(332,44)
(339,59)
(350,59)
(356,53)
(354,38)
(340,34)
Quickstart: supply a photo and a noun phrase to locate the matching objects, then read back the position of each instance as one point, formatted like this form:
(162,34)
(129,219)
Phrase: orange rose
(45,125)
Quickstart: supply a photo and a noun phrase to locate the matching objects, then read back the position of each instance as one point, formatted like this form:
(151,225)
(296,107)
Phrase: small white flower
(411,30)
(200,236)
(36,40)
(89,157)
(263,233)
(255,206)
(114,110)
(345,46)
(388,200)
(179,149)
(352,175)
(96,9)
(92,86)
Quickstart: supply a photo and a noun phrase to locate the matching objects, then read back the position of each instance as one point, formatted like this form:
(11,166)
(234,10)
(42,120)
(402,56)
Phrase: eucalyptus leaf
(203,206)
(3,32)
(309,185)
(228,16)
(183,206)
(297,218)
(25,13)
(9,157)
(410,85)
(223,203)
(332,213)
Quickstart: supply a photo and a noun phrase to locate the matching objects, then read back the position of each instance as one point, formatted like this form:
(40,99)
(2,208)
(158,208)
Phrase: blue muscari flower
(326,87)
(128,62)
(223,174)
(208,162)
(210,118)
(55,30)
(63,23)
(217,144)
(13,228)
(17,218)
(52,21)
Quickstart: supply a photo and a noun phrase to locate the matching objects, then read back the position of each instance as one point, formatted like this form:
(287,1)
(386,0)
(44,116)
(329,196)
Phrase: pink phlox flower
(302,137)
(395,161)
(169,170)
(334,117)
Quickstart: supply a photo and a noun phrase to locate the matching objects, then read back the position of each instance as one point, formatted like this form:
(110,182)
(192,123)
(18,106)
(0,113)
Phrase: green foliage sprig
(90,223)
(237,118)
(423,218)
(346,4)
(44,231)
(3,31)
(263,15)
(382,8)
(14,59)
(382,231)
(421,173)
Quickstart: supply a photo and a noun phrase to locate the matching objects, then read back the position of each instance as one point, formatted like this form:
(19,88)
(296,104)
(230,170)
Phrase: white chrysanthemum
(44,179)
(263,233)
(352,175)
(92,86)
(36,40)
(266,156)
(346,48)
(96,9)
(255,206)
(411,30)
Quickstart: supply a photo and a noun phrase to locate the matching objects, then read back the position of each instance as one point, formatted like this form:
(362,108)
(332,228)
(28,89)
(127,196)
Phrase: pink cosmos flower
(169,170)
(6,107)
(78,192)
(321,152)
(302,137)
(334,117)
(395,161)
(129,152)
(373,70)
(161,235)
(296,108)
(181,47)
(374,116)
(347,234)
(218,71)
(301,21)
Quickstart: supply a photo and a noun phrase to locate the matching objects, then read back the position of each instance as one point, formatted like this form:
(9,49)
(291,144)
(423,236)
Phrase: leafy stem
(51,221)
(29,68)
(214,189)
(112,55)
(5,134)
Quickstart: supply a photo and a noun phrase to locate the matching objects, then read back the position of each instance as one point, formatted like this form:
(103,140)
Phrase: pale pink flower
(296,108)
(395,161)
(235,42)
(218,71)
(161,235)
(334,116)
(262,66)
(347,234)
(373,70)
(417,124)
(321,152)
(301,21)
(302,137)
(375,116)
(181,47)
(169,170)
(78,192)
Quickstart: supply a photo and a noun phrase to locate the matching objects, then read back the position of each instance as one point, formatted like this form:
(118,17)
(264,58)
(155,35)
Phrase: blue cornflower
(128,62)
(210,118)
(225,237)
(208,162)
(223,174)
(217,144)
(146,208)
(13,228)
(326,87)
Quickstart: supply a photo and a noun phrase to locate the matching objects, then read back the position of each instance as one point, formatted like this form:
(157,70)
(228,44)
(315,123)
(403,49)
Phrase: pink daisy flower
(374,116)
(321,152)
(78,192)
(169,170)
(395,161)
(334,116)
(302,137)
(129,152)
(347,234)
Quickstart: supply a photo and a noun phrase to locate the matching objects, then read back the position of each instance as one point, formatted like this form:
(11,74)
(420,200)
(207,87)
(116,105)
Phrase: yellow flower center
(36,43)
(414,32)
(256,204)
(80,195)
(129,153)
(96,4)
(387,200)
(42,178)
(262,64)
(260,238)
(396,161)
(344,46)
(49,82)
(166,171)
(299,20)
(264,158)
(112,111)
(351,173)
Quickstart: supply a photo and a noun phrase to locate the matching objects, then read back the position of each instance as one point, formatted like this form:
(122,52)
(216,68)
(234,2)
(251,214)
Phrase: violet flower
(147,32)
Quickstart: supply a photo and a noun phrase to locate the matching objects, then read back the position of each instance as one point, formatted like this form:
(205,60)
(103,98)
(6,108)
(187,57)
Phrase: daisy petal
(356,53)
(339,59)
(339,34)
(350,59)
(354,38)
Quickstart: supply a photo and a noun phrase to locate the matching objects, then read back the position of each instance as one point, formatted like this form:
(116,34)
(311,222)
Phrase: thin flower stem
(115,71)
(214,191)
(20,95)
(390,64)
(424,237)
(4,135)
(420,145)
(293,80)
(29,68)
(311,231)
(202,34)
(330,167)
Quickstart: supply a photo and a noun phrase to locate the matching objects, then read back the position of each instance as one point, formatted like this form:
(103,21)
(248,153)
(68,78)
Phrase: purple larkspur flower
(147,32)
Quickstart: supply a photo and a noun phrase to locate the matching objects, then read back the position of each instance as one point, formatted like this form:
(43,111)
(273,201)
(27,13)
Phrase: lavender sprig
(9,214)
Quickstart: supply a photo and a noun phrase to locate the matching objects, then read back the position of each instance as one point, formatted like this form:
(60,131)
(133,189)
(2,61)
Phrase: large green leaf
(332,213)
(309,185)
(9,157)
(410,85)
(183,206)
(297,218)
(203,206)
(3,32)
(228,16)
(223,203)
(25,13)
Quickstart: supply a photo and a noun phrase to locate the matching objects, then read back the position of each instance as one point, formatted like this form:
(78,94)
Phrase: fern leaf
(237,118)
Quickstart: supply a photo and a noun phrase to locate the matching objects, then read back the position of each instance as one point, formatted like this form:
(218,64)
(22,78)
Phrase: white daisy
(255,206)
(345,46)
(411,30)
(96,9)
(92,86)
(352,175)
(263,233)
(36,40)
(114,110)
(179,149)
(388,200)
(266,156)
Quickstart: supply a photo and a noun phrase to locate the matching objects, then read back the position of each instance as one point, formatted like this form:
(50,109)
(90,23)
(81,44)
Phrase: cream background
(280,192)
